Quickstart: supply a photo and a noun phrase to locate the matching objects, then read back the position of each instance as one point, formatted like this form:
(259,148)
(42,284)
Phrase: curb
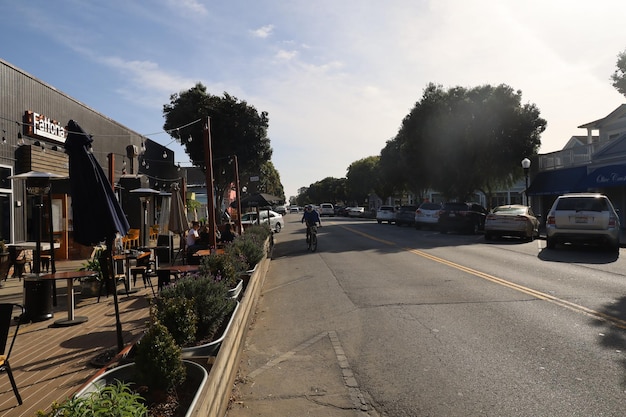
(215,396)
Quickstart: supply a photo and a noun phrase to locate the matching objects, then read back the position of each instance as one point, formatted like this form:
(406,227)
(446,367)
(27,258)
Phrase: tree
(462,140)
(237,128)
(619,76)
(361,178)
(327,190)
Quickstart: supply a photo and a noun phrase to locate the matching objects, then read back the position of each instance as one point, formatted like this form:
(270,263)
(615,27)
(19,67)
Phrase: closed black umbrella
(97,215)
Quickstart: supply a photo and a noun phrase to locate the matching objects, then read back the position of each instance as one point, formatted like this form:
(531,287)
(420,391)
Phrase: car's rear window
(456,206)
(510,210)
(582,204)
(430,206)
(408,208)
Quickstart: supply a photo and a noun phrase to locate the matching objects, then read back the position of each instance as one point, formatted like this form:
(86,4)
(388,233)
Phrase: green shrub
(158,361)
(116,400)
(210,301)
(178,316)
(249,246)
(222,267)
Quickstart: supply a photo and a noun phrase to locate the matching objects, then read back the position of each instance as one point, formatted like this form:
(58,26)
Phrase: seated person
(193,241)
(228,234)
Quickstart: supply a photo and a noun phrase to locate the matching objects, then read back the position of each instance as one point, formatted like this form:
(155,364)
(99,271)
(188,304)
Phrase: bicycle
(312,238)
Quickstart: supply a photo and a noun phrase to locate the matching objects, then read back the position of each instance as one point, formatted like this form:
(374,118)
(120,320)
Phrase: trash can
(38,298)
(165,243)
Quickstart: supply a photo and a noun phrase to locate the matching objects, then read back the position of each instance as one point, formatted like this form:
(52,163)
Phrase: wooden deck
(51,363)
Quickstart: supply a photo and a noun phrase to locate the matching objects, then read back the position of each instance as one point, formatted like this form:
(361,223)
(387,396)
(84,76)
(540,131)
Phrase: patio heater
(38,184)
(144,195)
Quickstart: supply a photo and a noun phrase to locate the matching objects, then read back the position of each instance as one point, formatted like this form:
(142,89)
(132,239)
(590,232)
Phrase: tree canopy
(619,76)
(236,127)
(460,140)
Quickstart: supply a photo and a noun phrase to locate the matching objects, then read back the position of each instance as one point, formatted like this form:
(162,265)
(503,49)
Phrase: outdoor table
(70,276)
(127,257)
(181,269)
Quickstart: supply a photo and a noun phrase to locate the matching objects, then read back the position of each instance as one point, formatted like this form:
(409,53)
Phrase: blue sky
(336,76)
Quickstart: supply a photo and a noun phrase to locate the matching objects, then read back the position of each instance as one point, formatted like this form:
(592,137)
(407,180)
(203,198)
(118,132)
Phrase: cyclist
(312,217)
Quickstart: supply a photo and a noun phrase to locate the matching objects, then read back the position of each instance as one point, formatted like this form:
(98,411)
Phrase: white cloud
(263,32)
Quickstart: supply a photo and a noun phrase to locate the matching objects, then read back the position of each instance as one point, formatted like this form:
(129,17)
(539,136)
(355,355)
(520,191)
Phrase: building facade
(33,116)
(592,163)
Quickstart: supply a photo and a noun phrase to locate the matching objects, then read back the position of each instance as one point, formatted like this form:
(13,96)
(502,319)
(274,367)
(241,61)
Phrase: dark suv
(406,216)
(462,217)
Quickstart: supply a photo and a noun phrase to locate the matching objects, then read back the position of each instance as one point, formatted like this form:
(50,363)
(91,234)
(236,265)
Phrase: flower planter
(126,373)
(89,287)
(234,292)
(209,349)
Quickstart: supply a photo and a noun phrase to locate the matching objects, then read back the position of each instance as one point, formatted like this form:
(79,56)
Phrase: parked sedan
(355,211)
(386,214)
(512,220)
(275,220)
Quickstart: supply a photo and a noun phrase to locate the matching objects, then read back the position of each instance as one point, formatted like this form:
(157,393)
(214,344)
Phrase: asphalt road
(391,321)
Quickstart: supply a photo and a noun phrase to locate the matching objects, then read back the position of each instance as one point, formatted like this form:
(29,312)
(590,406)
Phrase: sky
(337,77)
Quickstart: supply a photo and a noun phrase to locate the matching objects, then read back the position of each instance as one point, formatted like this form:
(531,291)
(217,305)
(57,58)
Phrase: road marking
(526,290)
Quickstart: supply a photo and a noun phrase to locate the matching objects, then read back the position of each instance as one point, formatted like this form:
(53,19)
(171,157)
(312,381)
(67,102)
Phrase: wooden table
(70,276)
(182,269)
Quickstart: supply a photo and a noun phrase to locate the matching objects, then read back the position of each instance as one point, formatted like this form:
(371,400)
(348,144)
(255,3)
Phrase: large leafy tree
(329,189)
(619,76)
(462,140)
(236,127)
(361,179)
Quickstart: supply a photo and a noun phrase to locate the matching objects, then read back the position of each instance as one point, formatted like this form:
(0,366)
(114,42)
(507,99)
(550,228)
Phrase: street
(449,325)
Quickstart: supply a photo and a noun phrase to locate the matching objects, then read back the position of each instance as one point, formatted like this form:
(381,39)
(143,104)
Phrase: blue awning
(559,181)
(608,176)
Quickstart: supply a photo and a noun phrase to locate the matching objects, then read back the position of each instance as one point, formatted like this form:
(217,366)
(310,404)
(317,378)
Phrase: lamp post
(526,167)
(144,195)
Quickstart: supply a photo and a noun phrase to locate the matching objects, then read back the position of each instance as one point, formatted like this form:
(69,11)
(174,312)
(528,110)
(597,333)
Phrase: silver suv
(583,217)
(386,214)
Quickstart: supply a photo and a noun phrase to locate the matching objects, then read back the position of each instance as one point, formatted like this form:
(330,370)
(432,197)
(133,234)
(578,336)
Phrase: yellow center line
(526,290)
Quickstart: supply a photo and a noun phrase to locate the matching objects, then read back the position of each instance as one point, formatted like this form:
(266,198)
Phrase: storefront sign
(38,125)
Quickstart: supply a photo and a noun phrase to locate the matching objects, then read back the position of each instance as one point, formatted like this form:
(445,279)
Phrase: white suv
(583,217)
(386,214)
(327,209)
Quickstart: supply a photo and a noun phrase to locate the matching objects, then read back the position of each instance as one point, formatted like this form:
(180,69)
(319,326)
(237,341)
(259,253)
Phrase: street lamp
(526,167)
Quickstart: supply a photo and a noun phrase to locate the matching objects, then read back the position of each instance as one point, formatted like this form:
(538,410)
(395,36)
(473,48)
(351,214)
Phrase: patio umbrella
(97,215)
(257,200)
(178,217)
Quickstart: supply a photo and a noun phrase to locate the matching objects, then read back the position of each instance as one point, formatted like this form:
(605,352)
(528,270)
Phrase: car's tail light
(612,221)
(520,218)
(550,221)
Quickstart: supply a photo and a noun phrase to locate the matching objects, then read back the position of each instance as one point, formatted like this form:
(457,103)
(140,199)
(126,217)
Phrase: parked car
(462,217)
(512,220)
(355,211)
(583,217)
(406,216)
(327,209)
(294,209)
(280,209)
(386,214)
(275,219)
(427,215)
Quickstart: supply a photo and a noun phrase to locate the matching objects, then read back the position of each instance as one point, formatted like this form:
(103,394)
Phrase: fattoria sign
(41,126)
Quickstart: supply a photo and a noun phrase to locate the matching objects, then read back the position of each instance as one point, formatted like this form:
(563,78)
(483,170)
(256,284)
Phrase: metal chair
(6,314)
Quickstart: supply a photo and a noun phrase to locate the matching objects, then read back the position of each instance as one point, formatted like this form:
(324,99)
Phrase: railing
(577,156)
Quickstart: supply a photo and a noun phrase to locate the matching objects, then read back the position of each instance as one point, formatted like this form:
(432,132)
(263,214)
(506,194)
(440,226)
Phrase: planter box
(209,349)
(234,292)
(89,288)
(126,373)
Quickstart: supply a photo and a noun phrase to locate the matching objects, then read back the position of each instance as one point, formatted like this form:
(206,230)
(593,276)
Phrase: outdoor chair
(19,259)
(131,240)
(6,314)
(146,267)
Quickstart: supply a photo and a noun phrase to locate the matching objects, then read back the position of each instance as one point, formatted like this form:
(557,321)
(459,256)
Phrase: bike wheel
(313,245)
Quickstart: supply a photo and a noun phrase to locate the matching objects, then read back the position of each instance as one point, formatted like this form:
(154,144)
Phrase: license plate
(581,219)
(452,214)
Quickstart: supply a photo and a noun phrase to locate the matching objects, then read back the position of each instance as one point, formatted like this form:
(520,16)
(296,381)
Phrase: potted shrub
(158,383)
(90,286)
(213,309)
(224,268)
